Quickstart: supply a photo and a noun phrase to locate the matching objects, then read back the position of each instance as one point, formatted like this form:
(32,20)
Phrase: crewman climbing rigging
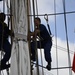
(45,40)
(5,46)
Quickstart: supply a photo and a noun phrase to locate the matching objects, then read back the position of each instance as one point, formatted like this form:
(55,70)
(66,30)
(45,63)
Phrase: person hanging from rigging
(5,45)
(45,40)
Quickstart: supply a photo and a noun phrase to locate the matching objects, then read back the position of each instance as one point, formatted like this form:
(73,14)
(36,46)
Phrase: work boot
(48,66)
(4,66)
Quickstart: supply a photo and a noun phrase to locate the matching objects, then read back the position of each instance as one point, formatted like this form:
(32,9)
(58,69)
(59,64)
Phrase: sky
(47,7)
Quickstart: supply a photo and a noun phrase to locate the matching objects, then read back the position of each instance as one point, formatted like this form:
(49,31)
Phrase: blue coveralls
(46,43)
(6,45)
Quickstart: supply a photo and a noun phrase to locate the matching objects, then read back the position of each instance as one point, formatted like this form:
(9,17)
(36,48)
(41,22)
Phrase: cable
(70,72)
(41,56)
(8,27)
(63,49)
(28,18)
(52,68)
(56,36)
(55,13)
(36,7)
(39,36)
(35,38)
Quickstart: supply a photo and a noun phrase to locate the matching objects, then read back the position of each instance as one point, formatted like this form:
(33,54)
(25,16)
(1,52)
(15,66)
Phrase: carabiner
(46,17)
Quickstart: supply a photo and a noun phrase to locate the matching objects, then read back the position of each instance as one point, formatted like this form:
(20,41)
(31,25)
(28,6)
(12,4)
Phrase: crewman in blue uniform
(5,46)
(45,41)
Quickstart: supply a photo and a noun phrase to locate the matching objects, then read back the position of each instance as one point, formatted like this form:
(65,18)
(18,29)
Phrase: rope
(70,72)
(10,14)
(36,7)
(28,7)
(41,56)
(11,24)
(56,36)
(8,27)
(39,40)
(54,13)
(63,49)
(52,68)
(35,38)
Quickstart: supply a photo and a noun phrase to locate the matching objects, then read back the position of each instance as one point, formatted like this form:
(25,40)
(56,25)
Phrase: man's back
(44,32)
(4,31)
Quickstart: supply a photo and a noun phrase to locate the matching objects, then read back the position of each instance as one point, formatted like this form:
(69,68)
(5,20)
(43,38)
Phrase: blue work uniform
(45,43)
(4,43)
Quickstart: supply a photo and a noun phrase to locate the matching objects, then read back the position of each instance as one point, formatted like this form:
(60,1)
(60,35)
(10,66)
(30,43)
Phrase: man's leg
(47,52)
(7,50)
(33,51)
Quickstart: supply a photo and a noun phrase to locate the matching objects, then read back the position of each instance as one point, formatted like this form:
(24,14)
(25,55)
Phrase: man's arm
(33,35)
